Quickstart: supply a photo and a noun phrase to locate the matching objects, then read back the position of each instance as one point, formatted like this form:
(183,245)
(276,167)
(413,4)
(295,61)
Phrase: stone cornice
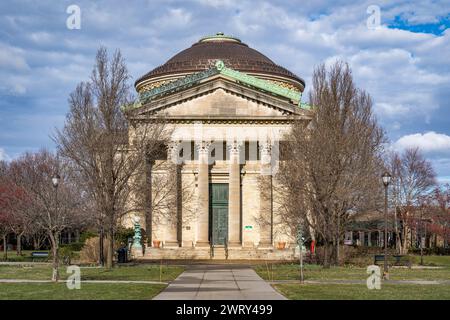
(221,119)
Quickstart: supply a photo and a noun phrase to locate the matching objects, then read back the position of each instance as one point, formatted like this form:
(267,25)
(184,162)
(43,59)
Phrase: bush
(431,251)
(66,254)
(122,234)
(75,246)
(86,235)
(91,250)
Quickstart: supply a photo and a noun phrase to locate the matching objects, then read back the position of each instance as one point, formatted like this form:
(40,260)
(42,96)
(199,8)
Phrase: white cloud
(391,109)
(41,38)
(13,58)
(174,17)
(218,3)
(407,73)
(4,156)
(443,180)
(427,142)
(18,89)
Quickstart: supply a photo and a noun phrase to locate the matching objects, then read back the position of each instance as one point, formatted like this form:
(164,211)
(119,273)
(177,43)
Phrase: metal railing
(226,248)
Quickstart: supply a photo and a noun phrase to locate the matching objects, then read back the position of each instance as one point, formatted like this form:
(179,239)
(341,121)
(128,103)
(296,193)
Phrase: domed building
(227,108)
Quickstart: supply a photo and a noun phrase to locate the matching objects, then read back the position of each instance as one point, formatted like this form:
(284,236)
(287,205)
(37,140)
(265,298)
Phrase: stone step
(234,253)
(219,253)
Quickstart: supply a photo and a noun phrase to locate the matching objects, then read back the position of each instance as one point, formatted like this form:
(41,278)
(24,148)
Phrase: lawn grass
(88,291)
(443,261)
(25,257)
(360,292)
(316,272)
(432,260)
(138,272)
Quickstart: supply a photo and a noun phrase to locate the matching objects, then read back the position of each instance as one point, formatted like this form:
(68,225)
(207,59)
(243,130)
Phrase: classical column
(148,201)
(266,224)
(174,220)
(203,194)
(234,195)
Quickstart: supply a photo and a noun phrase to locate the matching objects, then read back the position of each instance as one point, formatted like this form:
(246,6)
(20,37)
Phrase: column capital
(173,149)
(266,148)
(266,152)
(203,146)
(234,146)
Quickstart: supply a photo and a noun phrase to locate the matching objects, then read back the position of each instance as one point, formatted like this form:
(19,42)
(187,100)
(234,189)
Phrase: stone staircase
(234,253)
(219,253)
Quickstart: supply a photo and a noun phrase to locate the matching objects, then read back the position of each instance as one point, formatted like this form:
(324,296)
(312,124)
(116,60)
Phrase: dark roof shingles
(236,55)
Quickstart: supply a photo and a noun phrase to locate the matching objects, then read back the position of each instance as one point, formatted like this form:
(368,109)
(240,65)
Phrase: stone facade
(228,134)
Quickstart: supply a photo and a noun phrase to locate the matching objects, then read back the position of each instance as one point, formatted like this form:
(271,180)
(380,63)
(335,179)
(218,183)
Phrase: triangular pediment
(218,97)
(221,103)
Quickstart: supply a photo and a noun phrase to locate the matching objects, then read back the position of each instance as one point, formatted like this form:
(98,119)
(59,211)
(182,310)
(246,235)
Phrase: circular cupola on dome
(232,51)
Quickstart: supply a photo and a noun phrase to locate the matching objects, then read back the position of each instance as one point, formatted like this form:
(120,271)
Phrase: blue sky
(404,63)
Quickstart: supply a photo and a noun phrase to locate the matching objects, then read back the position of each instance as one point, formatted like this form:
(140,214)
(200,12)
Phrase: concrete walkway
(219,282)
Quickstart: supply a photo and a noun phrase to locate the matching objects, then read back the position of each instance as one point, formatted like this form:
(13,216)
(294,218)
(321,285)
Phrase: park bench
(397,260)
(40,255)
(401,260)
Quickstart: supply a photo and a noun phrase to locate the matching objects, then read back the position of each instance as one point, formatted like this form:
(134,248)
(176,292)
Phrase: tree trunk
(35,243)
(327,250)
(334,255)
(404,240)
(5,247)
(19,244)
(101,248)
(54,240)
(110,251)
(397,234)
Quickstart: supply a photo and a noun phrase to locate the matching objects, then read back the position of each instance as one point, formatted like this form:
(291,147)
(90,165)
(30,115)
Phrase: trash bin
(122,255)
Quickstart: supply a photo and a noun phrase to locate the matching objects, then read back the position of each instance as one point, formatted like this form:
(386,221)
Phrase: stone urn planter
(281,245)
(156,243)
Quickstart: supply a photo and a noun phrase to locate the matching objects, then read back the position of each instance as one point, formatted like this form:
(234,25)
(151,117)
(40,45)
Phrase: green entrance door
(218,213)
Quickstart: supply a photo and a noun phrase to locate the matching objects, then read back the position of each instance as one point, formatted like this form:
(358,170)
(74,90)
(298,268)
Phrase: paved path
(219,282)
(23,263)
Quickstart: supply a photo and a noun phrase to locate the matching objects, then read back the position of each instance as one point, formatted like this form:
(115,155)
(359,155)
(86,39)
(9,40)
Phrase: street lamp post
(55,183)
(419,228)
(386,177)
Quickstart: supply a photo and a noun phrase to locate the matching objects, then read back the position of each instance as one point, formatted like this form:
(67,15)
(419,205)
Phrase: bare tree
(4,230)
(440,224)
(108,153)
(413,178)
(33,174)
(11,220)
(6,198)
(13,201)
(333,165)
